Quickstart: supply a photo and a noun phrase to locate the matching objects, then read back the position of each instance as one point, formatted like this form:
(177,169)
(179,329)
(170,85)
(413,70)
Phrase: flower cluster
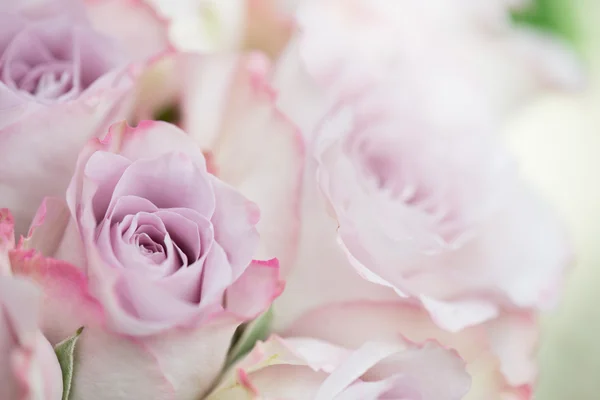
(260,199)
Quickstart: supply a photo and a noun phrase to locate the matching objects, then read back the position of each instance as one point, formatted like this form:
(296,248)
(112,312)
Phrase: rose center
(151,248)
(54,61)
(48,81)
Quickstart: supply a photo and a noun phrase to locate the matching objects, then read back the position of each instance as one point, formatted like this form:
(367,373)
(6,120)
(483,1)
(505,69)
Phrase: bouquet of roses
(319,205)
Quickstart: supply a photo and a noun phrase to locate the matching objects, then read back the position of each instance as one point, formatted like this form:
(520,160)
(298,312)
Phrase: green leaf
(65,351)
(248,334)
(556,16)
(169,114)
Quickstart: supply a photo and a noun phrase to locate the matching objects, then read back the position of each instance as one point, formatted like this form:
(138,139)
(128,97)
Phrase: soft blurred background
(557,140)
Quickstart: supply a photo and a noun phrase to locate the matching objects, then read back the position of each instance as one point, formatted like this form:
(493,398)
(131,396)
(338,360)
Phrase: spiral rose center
(52,60)
(151,248)
(48,81)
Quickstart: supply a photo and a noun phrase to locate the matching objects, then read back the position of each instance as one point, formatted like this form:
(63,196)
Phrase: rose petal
(35,369)
(229,109)
(253,292)
(135,24)
(240,238)
(182,184)
(67,304)
(279,368)
(351,324)
(7,240)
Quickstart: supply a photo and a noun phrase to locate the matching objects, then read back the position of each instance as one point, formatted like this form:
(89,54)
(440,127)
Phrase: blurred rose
(424,197)
(225,103)
(308,368)
(7,240)
(29,368)
(165,275)
(62,82)
(426,202)
(498,355)
(341,45)
(214,25)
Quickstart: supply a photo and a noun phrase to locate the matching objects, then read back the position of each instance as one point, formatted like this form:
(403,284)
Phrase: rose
(342,45)
(164,272)
(429,205)
(498,354)
(62,82)
(28,367)
(309,368)
(473,41)
(227,105)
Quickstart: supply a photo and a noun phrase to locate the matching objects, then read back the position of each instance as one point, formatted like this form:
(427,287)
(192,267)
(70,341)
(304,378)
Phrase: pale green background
(558,142)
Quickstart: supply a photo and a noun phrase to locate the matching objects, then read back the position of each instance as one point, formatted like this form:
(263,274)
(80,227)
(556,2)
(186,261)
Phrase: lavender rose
(62,81)
(153,255)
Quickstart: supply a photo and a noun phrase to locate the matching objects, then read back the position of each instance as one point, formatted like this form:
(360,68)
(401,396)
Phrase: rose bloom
(343,45)
(63,79)
(28,366)
(425,200)
(152,254)
(435,211)
(409,185)
(311,368)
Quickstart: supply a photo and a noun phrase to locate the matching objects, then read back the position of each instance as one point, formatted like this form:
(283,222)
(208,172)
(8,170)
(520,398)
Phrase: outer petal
(279,368)
(300,96)
(178,364)
(149,139)
(35,368)
(7,240)
(321,273)
(39,151)
(351,324)
(267,29)
(34,9)
(303,368)
(240,238)
(181,364)
(255,290)
(255,149)
(67,303)
(135,24)
(420,365)
(47,231)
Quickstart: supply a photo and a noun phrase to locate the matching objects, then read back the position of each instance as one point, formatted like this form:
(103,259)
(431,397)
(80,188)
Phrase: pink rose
(29,368)
(343,45)
(312,368)
(498,354)
(161,269)
(61,83)
(227,106)
(429,205)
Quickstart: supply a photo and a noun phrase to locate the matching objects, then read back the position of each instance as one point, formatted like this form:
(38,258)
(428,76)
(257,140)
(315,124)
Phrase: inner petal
(172,180)
(142,230)
(149,248)
(49,80)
